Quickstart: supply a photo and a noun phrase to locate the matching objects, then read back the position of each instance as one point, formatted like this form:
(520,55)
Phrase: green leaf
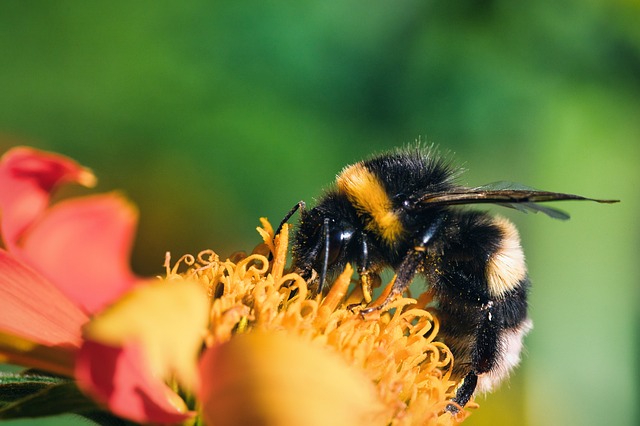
(15,386)
(34,394)
(27,395)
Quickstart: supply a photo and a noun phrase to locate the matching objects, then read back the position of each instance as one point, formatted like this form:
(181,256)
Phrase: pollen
(394,351)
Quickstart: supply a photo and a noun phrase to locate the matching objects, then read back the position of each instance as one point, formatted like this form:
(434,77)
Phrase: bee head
(330,234)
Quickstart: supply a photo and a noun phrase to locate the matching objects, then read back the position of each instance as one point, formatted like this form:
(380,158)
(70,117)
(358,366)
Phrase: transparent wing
(507,194)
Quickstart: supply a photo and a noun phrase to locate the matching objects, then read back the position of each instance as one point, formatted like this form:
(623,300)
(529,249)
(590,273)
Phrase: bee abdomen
(486,339)
(509,347)
(482,290)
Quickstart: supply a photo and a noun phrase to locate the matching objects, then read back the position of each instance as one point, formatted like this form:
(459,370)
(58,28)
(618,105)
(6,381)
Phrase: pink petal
(118,378)
(33,308)
(83,245)
(27,178)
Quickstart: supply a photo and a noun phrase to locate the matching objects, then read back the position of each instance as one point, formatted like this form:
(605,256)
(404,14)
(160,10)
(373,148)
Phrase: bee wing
(507,194)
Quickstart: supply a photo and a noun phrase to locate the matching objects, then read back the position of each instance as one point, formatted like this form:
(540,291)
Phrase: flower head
(241,339)
(395,370)
(68,262)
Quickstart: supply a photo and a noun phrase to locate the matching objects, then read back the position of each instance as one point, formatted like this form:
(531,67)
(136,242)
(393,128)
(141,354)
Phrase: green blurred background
(211,114)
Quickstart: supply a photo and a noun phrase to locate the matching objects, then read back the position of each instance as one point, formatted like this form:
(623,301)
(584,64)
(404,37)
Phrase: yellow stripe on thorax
(368,196)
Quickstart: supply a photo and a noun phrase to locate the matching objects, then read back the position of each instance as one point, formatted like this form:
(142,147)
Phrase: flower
(272,343)
(240,339)
(66,263)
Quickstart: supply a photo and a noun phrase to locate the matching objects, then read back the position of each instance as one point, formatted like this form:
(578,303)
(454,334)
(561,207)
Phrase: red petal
(118,378)
(27,178)
(83,246)
(35,309)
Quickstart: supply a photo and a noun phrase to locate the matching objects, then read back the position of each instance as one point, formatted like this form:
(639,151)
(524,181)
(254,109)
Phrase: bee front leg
(325,254)
(369,280)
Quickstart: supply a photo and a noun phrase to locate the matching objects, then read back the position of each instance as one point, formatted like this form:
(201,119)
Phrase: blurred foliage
(211,114)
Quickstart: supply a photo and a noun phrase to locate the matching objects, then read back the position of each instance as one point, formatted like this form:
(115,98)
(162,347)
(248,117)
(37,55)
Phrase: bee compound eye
(338,238)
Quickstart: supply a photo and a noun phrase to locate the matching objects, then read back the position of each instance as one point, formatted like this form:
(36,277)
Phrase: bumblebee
(400,210)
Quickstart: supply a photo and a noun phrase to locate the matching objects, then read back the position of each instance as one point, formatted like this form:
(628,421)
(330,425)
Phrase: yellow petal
(167,318)
(279,379)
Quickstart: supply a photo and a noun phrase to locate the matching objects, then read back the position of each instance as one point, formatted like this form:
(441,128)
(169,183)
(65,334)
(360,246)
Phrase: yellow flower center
(395,349)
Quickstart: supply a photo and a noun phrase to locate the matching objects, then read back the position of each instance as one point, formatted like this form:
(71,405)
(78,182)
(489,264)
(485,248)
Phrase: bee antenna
(300,205)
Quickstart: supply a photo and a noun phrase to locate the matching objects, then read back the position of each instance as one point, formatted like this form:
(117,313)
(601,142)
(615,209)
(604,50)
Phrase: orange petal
(119,378)
(83,245)
(27,178)
(277,379)
(33,308)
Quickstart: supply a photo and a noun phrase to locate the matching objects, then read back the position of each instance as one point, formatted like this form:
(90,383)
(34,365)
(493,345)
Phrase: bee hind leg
(464,393)
(484,359)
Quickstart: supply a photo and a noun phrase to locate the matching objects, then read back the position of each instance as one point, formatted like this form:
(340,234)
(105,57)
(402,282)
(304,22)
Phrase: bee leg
(464,392)
(363,271)
(410,264)
(404,276)
(483,357)
(325,255)
(369,280)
